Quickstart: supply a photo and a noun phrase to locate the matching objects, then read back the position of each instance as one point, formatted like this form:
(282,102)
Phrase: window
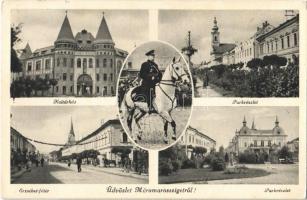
(288,41)
(105,90)
(269,143)
(38,65)
(84,63)
(64,62)
(125,138)
(262,143)
(245,144)
(71,89)
(129,65)
(97,62)
(111,77)
(97,77)
(72,63)
(272,48)
(71,77)
(276,45)
(79,62)
(295,39)
(105,77)
(58,62)
(47,76)
(111,63)
(104,64)
(64,89)
(255,143)
(90,63)
(97,89)
(279,144)
(282,43)
(57,88)
(268,47)
(64,76)
(112,90)
(29,68)
(47,64)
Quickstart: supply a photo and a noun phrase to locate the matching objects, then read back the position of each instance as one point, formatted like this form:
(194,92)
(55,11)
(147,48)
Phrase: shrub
(187,164)
(218,164)
(165,167)
(176,165)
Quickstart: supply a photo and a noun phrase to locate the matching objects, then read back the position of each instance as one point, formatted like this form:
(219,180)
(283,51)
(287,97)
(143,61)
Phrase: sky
(41,27)
(220,123)
(234,25)
(52,123)
(164,54)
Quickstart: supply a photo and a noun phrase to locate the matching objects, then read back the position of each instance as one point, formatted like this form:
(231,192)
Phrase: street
(280,174)
(59,173)
(205,92)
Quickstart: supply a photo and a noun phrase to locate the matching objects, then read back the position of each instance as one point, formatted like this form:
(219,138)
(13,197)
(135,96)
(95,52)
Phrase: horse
(164,101)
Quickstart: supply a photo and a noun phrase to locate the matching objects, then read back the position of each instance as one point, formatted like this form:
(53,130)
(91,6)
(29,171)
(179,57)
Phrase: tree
(255,64)
(274,60)
(53,82)
(15,62)
(284,153)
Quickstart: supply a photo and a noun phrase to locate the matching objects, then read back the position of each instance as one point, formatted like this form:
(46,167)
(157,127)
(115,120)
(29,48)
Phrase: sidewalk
(15,174)
(109,170)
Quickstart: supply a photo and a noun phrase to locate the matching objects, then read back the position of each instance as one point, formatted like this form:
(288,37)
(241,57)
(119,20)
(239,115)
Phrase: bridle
(173,82)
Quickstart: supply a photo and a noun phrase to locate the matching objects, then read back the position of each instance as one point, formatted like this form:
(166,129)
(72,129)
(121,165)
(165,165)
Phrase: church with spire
(257,140)
(81,64)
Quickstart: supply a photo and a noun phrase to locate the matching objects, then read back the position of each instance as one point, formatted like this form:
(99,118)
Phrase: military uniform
(150,75)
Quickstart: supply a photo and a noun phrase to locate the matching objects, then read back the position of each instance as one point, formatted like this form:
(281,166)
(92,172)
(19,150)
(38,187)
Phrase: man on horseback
(150,75)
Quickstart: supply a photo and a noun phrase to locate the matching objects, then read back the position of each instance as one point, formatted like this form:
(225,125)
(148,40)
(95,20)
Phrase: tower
(71,136)
(276,122)
(244,122)
(215,34)
(253,125)
(103,38)
(63,67)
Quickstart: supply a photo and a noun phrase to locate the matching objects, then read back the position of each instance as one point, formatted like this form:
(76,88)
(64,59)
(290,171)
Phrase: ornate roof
(84,39)
(26,52)
(222,48)
(103,34)
(65,34)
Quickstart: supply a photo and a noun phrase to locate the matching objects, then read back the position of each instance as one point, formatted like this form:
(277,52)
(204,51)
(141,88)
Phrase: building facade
(282,40)
(83,65)
(267,40)
(195,138)
(257,140)
(20,143)
(108,136)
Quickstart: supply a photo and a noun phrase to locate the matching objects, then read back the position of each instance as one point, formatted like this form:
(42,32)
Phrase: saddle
(138,95)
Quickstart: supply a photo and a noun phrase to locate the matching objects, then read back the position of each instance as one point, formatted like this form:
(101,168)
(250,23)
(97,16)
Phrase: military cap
(150,53)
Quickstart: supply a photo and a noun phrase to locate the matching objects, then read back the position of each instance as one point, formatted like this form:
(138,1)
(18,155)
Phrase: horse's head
(178,73)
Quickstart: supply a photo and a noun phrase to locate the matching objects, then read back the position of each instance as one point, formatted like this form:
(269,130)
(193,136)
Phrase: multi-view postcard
(153,100)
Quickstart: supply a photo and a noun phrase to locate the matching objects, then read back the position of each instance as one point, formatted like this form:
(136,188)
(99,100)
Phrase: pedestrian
(42,161)
(79,162)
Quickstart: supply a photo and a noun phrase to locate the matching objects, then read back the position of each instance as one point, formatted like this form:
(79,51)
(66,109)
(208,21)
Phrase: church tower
(215,34)
(71,136)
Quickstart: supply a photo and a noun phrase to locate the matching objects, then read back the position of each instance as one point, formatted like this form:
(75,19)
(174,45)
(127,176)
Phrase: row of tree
(32,87)
(272,76)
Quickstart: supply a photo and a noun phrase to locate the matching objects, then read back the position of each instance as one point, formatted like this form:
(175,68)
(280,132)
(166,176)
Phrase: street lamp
(189,50)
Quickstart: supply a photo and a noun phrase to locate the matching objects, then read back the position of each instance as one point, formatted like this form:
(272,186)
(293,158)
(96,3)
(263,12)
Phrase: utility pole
(189,50)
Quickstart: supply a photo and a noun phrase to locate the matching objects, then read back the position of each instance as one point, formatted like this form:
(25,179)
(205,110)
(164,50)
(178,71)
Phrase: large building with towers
(82,64)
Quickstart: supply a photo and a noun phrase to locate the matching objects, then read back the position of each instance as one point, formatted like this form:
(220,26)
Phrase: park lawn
(194,175)
(222,91)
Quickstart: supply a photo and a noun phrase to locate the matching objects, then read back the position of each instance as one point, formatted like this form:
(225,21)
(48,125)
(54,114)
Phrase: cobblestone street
(59,173)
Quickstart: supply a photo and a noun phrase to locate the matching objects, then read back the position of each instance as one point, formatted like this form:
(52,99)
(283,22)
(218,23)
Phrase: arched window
(125,138)
(84,63)
(90,63)
(119,64)
(104,62)
(58,61)
(79,62)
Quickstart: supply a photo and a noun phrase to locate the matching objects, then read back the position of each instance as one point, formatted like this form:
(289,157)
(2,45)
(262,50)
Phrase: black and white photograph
(235,145)
(237,53)
(77,53)
(155,95)
(73,145)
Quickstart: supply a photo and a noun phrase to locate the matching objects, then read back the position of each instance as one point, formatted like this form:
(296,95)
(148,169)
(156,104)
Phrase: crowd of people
(24,159)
